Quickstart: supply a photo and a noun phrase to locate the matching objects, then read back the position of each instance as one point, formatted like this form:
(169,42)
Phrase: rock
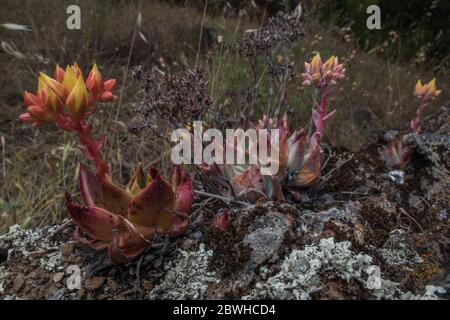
(398,252)
(67,249)
(187,276)
(94,283)
(112,284)
(57,277)
(397,176)
(18,282)
(266,235)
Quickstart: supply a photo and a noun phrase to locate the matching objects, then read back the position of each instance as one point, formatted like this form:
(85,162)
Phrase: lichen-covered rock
(27,243)
(301,271)
(397,251)
(266,235)
(187,276)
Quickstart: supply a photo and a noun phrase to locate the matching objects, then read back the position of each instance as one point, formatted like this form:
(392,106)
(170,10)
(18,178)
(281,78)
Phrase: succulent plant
(124,220)
(397,153)
(300,154)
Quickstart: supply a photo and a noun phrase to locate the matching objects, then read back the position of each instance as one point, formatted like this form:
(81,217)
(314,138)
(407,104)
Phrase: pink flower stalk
(425,93)
(322,76)
(397,153)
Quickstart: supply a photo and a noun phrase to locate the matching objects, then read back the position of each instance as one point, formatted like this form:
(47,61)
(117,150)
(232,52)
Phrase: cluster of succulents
(300,154)
(123,220)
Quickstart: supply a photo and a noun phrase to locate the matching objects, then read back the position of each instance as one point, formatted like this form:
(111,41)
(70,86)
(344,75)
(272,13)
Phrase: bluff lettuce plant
(397,152)
(300,153)
(124,220)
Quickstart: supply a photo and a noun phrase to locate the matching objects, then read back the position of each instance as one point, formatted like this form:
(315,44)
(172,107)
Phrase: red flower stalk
(67,101)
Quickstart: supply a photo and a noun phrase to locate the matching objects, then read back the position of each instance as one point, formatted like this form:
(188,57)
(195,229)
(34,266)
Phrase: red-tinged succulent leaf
(184,197)
(94,244)
(184,193)
(154,204)
(272,188)
(309,174)
(318,121)
(110,85)
(115,199)
(176,176)
(298,147)
(32,99)
(127,242)
(249,184)
(90,187)
(85,152)
(178,226)
(107,96)
(397,153)
(115,253)
(98,223)
(284,147)
(26,117)
(137,181)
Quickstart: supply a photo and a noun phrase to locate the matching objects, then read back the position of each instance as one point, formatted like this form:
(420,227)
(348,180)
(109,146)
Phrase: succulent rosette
(125,220)
(300,162)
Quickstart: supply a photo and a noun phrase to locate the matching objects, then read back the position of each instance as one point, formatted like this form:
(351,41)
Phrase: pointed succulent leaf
(153,203)
(90,187)
(309,174)
(249,184)
(137,180)
(98,223)
(115,199)
(397,153)
(127,242)
(221,221)
(298,147)
(184,193)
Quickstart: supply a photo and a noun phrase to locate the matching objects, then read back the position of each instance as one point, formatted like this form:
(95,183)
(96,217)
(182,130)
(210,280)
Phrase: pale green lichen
(300,272)
(187,276)
(396,251)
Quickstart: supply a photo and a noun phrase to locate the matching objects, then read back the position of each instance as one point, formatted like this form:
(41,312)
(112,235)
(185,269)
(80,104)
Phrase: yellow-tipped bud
(316,64)
(77,101)
(70,78)
(94,81)
(52,84)
(426,92)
